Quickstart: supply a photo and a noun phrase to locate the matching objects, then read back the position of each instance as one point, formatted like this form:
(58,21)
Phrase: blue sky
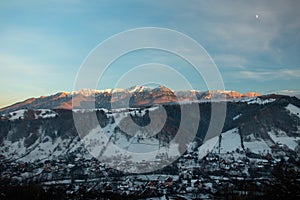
(255,44)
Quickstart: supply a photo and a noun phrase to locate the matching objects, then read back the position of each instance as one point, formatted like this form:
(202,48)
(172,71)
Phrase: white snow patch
(38,113)
(236,117)
(258,146)
(207,147)
(291,142)
(43,150)
(293,109)
(230,141)
(19,114)
(14,149)
(45,113)
(257,100)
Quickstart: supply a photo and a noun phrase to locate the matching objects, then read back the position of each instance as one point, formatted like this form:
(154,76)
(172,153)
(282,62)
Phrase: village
(231,173)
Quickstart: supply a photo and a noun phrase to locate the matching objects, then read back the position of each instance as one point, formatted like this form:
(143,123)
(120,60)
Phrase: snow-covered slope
(231,142)
(107,142)
(30,135)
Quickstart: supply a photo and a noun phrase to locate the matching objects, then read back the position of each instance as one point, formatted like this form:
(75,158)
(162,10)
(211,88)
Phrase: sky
(255,45)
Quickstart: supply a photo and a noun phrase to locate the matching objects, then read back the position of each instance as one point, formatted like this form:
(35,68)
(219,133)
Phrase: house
(152,185)
(47,166)
(197,184)
(169,182)
(108,188)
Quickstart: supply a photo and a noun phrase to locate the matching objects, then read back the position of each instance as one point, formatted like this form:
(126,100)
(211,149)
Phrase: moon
(256,16)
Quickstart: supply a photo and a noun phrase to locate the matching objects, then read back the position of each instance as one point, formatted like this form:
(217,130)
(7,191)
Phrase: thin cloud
(281,74)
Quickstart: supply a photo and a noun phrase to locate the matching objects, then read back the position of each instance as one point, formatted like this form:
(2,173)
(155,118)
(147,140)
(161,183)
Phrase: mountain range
(136,96)
(43,128)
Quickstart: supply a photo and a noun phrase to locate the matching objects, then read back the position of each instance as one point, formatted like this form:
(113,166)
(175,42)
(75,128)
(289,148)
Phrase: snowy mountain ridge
(139,96)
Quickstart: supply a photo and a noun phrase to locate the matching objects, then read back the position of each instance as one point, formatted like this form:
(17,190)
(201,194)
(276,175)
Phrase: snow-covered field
(282,138)
(258,146)
(257,100)
(207,147)
(293,109)
(38,113)
(231,140)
